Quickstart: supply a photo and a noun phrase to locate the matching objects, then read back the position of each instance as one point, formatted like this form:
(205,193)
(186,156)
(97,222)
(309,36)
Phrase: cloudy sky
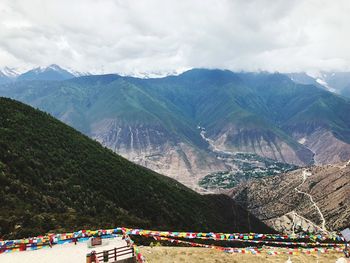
(129,36)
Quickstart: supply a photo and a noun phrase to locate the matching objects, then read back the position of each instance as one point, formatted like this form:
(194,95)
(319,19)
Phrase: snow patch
(153,74)
(325,84)
(302,140)
(78,73)
(9,72)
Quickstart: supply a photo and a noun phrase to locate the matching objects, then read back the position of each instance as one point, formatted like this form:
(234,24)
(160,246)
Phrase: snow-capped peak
(52,67)
(55,67)
(325,84)
(153,74)
(322,79)
(9,72)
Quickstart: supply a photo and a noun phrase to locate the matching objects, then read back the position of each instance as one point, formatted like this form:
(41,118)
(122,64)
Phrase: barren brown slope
(308,199)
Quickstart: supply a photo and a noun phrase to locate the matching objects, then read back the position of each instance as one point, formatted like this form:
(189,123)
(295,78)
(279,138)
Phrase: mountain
(263,113)
(338,82)
(307,199)
(124,118)
(183,125)
(346,91)
(304,78)
(7,75)
(54,178)
(52,72)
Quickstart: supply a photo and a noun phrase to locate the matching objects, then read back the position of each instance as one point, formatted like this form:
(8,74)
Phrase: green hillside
(54,178)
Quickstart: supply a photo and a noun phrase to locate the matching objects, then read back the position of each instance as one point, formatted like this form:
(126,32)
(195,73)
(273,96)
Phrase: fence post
(93,256)
(115,254)
(105,256)
(88,258)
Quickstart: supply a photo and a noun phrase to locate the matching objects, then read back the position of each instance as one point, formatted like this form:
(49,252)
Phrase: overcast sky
(129,36)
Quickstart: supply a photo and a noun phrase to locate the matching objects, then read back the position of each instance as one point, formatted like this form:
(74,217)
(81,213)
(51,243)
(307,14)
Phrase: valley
(154,122)
(241,167)
(215,131)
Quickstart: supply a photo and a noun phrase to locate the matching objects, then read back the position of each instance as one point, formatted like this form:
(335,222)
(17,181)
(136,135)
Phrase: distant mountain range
(53,178)
(182,125)
(337,82)
(52,72)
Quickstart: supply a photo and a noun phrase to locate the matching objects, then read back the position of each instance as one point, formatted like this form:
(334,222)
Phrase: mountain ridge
(154,122)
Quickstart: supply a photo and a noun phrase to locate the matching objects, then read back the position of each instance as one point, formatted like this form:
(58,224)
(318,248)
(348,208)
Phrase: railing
(26,246)
(107,255)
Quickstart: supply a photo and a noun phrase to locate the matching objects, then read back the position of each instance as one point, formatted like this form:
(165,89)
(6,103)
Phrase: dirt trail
(305,174)
(296,215)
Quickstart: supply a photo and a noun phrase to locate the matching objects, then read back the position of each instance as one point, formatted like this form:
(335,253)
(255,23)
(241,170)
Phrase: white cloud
(160,35)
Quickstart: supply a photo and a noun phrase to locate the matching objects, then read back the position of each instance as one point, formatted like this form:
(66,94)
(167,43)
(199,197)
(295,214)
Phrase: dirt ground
(206,255)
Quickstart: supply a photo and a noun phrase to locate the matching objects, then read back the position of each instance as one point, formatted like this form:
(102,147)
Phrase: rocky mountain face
(265,143)
(314,199)
(154,147)
(159,123)
(329,148)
